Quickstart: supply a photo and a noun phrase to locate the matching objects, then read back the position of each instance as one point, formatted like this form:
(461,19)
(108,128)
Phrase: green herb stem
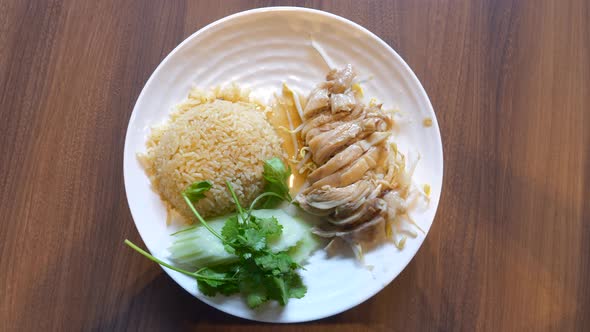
(261,196)
(260,274)
(235,198)
(190,204)
(161,262)
(183,230)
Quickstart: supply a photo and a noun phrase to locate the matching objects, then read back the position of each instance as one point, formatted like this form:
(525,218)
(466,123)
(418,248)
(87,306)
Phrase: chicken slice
(347,143)
(340,80)
(322,201)
(365,211)
(342,102)
(347,210)
(318,99)
(327,121)
(353,173)
(327,144)
(347,156)
(319,121)
(352,232)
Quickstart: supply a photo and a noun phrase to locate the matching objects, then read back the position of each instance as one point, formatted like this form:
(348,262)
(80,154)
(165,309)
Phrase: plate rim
(286,9)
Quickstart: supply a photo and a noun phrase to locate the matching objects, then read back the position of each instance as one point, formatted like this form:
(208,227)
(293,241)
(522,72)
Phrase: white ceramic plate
(260,49)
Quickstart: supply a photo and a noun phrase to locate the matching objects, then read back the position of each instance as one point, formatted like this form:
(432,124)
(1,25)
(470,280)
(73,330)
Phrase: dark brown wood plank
(510,246)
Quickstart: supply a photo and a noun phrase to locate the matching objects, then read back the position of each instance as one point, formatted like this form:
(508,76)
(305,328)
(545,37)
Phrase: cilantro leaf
(276,175)
(254,239)
(211,277)
(206,289)
(279,290)
(260,275)
(295,285)
(284,263)
(256,297)
(266,262)
(270,227)
(197,190)
(252,284)
(218,280)
(275,171)
(275,264)
(231,229)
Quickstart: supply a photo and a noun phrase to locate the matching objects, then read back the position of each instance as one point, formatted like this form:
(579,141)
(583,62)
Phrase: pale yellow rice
(207,138)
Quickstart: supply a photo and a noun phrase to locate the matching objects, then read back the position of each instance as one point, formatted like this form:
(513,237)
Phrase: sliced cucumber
(196,247)
(293,228)
(303,249)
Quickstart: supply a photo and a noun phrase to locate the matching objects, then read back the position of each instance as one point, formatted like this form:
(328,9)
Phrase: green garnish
(276,176)
(196,191)
(201,274)
(259,274)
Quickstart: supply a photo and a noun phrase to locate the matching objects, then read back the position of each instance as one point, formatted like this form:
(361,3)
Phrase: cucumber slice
(300,252)
(196,247)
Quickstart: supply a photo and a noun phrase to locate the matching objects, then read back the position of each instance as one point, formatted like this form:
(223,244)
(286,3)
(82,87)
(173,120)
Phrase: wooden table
(510,246)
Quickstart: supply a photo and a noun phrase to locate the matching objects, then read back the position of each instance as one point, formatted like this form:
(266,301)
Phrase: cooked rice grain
(213,140)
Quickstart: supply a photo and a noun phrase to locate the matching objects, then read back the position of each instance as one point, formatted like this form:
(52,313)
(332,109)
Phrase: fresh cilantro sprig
(197,190)
(260,275)
(276,188)
(203,274)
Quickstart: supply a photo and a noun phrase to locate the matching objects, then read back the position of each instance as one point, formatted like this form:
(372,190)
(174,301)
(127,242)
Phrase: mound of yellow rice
(216,135)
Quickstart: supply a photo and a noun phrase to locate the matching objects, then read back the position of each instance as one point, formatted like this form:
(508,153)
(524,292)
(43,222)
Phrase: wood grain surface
(509,249)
